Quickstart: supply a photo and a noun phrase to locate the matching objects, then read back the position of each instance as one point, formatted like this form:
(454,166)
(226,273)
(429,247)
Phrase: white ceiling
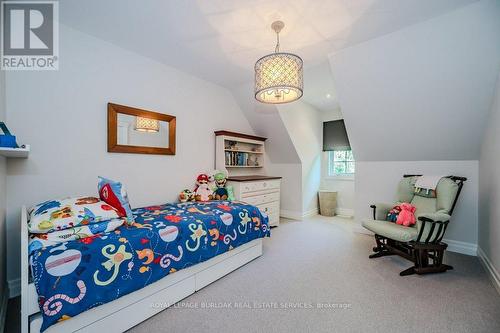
(219,40)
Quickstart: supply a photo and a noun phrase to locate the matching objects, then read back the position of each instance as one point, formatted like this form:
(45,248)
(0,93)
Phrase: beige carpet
(321,262)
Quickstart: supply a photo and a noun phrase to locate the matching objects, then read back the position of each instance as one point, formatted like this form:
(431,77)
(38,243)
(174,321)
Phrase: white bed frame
(129,310)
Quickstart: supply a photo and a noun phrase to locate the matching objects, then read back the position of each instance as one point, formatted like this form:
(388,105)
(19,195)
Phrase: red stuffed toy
(407,215)
(203,192)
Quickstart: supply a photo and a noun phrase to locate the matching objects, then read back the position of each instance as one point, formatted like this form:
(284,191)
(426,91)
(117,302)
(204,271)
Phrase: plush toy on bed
(186,195)
(202,191)
(407,215)
(220,191)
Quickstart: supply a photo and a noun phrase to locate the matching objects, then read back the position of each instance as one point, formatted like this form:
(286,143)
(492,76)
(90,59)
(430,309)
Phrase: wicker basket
(327,202)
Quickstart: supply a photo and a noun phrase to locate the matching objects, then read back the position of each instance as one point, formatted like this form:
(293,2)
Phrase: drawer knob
(264,184)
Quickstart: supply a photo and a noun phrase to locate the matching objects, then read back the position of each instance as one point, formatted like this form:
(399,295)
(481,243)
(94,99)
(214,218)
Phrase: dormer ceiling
(220,40)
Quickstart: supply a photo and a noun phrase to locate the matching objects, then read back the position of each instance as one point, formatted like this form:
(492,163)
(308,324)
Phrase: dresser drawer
(270,208)
(259,186)
(260,199)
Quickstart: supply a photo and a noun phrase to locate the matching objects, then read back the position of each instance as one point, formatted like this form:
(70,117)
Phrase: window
(340,163)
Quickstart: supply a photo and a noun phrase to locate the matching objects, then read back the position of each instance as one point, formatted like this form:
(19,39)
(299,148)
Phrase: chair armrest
(432,226)
(380,210)
(434,217)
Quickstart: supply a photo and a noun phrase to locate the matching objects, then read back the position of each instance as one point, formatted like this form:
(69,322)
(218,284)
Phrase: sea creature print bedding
(78,275)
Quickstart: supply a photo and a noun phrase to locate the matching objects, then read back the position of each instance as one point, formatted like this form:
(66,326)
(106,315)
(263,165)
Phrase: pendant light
(279,75)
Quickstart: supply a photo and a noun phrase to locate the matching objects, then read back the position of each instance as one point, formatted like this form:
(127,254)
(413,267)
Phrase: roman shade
(335,136)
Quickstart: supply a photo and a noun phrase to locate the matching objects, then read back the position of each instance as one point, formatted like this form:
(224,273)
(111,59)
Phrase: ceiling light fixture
(279,76)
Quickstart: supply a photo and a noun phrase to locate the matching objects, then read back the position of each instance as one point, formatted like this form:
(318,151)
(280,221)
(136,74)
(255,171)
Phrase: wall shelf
(244,166)
(15,152)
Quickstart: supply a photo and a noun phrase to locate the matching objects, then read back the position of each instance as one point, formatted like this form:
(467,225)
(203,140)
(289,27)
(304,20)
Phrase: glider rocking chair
(421,243)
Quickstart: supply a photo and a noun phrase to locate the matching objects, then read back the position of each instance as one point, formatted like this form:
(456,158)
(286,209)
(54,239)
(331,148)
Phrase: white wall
(304,126)
(291,187)
(62,114)
(489,187)
(281,156)
(377,182)
(422,93)
(3,170)
(344,186)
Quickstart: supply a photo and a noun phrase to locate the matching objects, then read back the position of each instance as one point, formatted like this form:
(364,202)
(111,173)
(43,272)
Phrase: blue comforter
(78,275)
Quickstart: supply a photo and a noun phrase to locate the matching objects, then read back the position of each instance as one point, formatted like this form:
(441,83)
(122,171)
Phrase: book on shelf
(236,158)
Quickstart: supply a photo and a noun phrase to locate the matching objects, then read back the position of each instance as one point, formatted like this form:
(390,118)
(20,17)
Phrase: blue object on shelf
(7,139)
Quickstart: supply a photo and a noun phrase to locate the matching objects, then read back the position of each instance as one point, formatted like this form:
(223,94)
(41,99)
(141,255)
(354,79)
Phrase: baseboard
(310,213)
(461,247)
(290,214)
(294,215)
(490,269)
(14,288)
(344,212)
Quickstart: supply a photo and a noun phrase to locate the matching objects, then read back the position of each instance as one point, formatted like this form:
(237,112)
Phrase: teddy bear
(202,192)
(407,215)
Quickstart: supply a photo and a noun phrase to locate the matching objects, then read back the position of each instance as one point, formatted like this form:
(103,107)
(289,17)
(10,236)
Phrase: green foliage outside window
(341,162)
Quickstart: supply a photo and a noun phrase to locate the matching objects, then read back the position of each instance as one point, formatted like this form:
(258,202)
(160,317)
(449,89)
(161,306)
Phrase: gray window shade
(335,136)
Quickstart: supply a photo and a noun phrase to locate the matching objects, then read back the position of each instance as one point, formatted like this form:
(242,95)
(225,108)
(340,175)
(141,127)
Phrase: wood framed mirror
(137,131)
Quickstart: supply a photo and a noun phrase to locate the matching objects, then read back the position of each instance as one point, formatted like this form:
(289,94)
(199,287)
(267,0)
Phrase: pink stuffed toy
(407,215)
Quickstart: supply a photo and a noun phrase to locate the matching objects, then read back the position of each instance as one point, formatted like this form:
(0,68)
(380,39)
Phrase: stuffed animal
(392,216)
(186,195)
(202,192)
(407,215)
(220,192)
(230,193)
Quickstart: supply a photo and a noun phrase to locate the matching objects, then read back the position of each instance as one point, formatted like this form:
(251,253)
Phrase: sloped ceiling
(424,92)
(265,121)
(220,40)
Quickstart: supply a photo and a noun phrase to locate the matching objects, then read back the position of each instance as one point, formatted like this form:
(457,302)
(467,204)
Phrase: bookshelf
(247,172)
(239,153)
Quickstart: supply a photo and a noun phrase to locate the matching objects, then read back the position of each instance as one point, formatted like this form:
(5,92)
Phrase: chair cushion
(446,193)
(391,230)
(424,205)
(406,188)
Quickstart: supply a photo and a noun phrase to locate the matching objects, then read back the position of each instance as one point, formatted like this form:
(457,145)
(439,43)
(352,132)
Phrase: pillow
(393,214)
(38,241)
(114,194)
(67,213)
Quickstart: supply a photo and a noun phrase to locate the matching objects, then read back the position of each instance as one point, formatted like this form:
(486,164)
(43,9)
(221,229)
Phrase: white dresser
(260,191)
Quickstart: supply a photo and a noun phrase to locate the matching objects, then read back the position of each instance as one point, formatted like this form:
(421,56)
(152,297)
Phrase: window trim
(340,176)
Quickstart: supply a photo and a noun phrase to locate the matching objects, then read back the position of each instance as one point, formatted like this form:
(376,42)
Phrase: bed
(116,280)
